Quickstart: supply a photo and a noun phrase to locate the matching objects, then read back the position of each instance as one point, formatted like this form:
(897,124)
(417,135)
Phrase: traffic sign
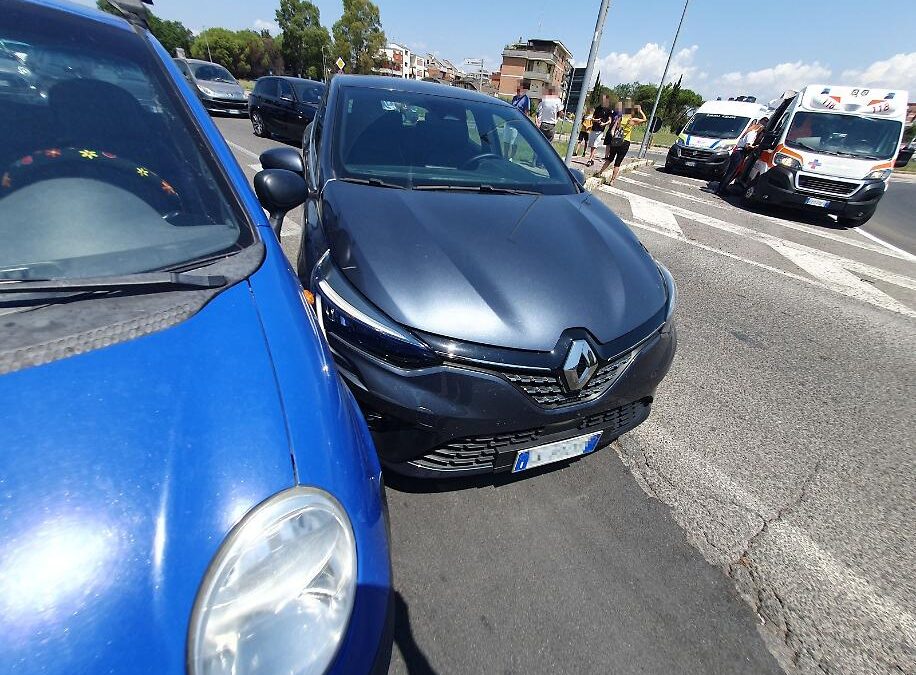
(340,63)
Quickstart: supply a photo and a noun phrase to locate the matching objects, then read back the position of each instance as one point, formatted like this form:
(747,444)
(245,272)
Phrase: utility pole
(645,141)
(207,40)
(589,69)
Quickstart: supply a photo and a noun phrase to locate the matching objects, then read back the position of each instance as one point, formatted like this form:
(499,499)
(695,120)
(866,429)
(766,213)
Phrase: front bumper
(225,107)
(777,186)
(452,419)
(690,159)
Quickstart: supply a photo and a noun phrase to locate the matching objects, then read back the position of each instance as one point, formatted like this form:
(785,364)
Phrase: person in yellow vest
(584,132)
(620,134)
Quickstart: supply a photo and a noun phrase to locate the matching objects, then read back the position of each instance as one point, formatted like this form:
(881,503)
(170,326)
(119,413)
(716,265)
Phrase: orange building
(535,64)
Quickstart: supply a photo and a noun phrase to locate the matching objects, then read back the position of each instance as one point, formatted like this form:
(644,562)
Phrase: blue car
(185,484)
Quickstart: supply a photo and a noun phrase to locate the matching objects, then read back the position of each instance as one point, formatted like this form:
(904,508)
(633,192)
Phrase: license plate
(690,163)
(811,201)
(235,112)
(555,452)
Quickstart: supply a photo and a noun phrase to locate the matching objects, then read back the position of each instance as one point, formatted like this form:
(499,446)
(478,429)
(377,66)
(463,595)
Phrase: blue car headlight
(344,312)
(277,597)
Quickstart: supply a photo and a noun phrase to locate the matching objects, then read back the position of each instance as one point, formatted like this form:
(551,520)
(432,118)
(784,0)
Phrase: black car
(488,313)
(284,106)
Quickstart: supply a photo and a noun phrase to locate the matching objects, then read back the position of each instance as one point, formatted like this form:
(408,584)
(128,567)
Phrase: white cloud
(262,24)
(647,64)
(768,83)
(897,72)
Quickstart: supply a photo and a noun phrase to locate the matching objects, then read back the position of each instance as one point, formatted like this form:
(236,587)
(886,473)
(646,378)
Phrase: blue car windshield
(423,140)
(102,171)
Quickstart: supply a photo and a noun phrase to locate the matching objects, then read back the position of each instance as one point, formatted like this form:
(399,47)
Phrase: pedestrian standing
(743,149)
(584,133)
(549,112)
(523,103)
(620,135)
(603,117)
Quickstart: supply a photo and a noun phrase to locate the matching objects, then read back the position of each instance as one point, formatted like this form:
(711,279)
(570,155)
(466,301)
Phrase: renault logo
(581,363)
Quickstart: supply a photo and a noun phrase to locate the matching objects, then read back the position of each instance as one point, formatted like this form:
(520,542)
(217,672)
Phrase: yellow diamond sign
(340,63)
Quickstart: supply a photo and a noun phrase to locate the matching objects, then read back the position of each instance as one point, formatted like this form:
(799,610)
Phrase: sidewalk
(592,176)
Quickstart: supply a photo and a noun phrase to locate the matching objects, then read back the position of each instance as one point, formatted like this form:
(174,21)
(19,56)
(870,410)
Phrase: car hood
(123,469)
(224,89)
(506,270)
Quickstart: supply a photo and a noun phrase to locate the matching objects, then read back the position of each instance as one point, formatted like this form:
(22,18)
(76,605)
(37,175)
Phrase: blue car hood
(121,471)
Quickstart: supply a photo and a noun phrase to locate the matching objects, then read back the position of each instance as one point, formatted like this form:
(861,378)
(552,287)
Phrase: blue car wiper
(153,281)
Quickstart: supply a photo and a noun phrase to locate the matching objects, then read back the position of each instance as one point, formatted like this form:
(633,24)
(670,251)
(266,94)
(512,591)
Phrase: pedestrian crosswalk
(840,270)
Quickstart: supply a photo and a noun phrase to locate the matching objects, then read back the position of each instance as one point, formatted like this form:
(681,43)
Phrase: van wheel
(748,197)
(257,124)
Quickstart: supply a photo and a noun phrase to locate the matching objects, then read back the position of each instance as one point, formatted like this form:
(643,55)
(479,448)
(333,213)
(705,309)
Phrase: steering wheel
(476,158)
(85,162)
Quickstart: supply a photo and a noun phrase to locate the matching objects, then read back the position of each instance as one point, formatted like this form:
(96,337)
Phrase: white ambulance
(829,149)
(706,142)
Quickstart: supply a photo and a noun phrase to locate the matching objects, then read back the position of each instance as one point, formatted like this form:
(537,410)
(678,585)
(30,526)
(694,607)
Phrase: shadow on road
(733,197)
(414,658)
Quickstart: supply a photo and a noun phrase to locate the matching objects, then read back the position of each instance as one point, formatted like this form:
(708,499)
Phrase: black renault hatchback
(283,106)
(487,311)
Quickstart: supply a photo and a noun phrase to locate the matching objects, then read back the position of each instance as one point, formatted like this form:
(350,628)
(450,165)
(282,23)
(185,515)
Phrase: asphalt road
(777,467)
(895,219)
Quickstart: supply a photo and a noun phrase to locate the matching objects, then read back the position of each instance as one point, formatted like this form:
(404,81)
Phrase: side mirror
(279,191)
(578,175)
(287,159)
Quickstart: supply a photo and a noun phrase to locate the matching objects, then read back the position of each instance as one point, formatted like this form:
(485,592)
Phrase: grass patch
(909,168)
(247,85)
(665,137)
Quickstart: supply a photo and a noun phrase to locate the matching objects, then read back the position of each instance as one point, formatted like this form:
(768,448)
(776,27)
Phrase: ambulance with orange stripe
(829,149)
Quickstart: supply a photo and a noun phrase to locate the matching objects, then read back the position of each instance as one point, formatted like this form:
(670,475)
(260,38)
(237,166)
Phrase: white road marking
(827,268)
(903,254)
(651,212)
(683,182)
(243,150)
(824,234)
(640,173)
(255,167)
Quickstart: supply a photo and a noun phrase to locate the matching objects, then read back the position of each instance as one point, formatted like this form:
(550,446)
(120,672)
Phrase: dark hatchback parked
(488,312)
(284,106)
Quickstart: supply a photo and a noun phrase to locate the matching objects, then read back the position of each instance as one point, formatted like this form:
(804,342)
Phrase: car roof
(412,86)
(290,78)
(89,13)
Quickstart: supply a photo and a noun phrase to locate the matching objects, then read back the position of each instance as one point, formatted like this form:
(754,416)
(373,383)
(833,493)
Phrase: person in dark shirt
(603,117)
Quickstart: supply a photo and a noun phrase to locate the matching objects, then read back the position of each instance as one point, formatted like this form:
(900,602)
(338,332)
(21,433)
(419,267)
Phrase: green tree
(303,37)
(358,36)
(224,47)
(171,34)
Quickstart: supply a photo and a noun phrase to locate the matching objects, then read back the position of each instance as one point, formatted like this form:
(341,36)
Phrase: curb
(595,180)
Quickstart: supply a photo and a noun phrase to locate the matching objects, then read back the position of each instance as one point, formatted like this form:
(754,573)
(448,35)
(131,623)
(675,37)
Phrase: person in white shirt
(743,148)
(549,112)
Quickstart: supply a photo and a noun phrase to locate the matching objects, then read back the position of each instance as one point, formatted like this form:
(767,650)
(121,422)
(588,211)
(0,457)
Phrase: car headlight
(278,595)
(344,312)
(879,174)
(670,288)
(680,142)
(206,90)
(787,161)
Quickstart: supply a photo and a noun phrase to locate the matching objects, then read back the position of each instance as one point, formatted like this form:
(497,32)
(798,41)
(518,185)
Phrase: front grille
(480,452)
(234,103)
(835,188)
(696,153)
(548,390)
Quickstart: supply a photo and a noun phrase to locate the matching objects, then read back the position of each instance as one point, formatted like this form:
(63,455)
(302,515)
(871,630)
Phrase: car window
(102,170)
(712,125)
(263,87)
(212,72)
(286,91)
(309,92)
(419,139)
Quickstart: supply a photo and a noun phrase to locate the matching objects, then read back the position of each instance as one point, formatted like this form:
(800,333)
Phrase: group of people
(615,124)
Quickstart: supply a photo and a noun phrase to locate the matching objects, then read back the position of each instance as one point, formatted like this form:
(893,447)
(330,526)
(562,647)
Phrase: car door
(286,110)
(268,106)
(313,244)
(309,98)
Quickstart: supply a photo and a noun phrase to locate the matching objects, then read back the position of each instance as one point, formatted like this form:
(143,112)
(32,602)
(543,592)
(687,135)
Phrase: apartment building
(441,69)
(535,64)
(394,61)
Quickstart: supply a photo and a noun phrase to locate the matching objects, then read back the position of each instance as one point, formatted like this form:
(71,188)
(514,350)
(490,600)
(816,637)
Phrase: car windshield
(422,140)
(309,92)
(844,135)
(102,171)
(211,72)
(711,125)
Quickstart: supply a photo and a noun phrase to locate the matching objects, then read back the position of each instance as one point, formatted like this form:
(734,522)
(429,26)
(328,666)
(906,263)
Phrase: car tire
(257,125)
(749,195)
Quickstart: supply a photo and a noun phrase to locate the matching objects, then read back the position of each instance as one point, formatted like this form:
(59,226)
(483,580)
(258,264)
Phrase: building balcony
(537,76)
(530,55)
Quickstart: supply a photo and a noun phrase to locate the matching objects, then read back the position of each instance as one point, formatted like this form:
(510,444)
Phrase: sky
(725,48)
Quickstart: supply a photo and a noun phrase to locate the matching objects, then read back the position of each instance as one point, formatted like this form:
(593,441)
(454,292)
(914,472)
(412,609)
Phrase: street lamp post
(645,141)
(589,69)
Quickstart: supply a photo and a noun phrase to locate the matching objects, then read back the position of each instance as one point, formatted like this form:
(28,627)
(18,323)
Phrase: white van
(705,143)
(829,149)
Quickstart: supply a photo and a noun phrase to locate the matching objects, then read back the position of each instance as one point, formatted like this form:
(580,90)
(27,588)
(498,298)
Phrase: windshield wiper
(488,189)
(154,281)
(375,182)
